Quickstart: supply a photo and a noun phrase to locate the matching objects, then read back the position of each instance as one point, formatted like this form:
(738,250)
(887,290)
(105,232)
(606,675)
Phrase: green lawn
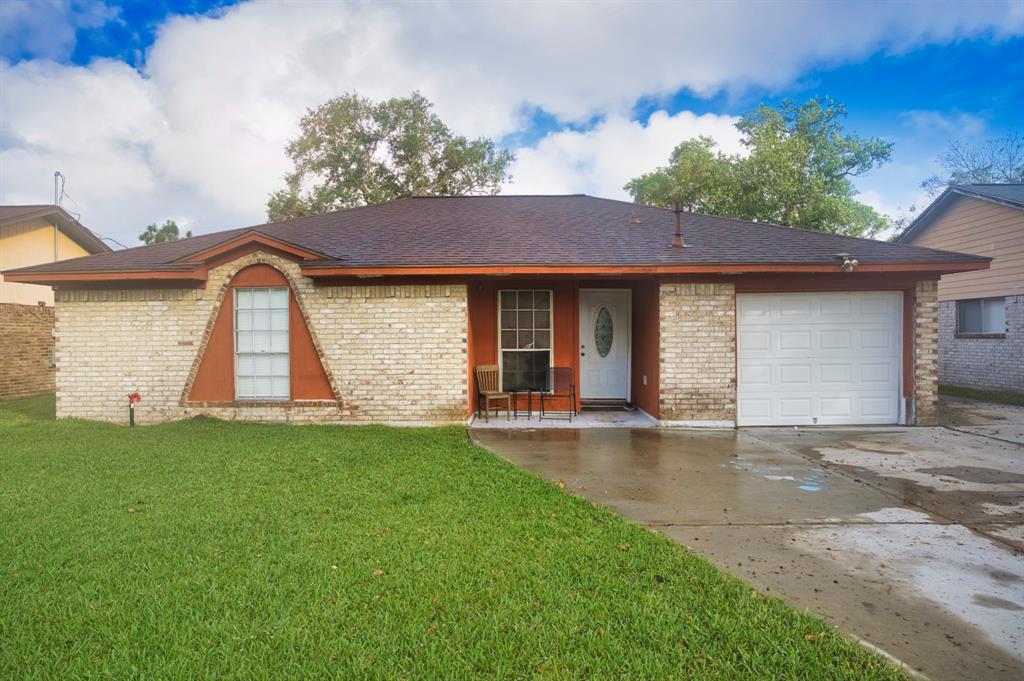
(212,549)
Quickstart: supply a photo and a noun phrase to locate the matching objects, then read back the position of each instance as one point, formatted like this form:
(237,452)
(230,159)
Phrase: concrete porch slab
(585,419)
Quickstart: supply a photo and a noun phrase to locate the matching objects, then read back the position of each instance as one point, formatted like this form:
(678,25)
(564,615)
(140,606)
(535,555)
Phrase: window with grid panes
(524,338)
(261,344)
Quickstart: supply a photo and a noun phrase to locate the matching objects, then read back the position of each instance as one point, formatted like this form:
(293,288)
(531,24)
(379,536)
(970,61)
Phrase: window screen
(981,315)
(261,344)
(524,320)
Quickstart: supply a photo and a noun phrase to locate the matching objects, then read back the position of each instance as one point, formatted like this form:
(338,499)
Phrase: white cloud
(601,160)
(948,124)
(200,131)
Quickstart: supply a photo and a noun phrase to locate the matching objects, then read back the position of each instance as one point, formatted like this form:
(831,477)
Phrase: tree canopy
(997,161)
(165,232)
(796,171)
(352,151)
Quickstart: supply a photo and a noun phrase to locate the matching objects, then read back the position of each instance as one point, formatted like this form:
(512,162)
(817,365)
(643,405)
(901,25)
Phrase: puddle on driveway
(812,481)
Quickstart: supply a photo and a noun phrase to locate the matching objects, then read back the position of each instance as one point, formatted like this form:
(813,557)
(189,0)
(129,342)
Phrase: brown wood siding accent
(645,339)
(835,282)
(970,225)
(483,327)
(215,380)
(646,345)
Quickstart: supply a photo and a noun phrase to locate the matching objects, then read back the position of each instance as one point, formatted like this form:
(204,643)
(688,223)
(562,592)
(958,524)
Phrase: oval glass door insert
(603,332)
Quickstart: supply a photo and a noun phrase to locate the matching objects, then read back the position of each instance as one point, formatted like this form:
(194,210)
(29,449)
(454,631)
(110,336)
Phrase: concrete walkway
(906,538)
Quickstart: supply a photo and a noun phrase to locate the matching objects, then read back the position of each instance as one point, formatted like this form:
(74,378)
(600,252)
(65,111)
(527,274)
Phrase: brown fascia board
(327,269)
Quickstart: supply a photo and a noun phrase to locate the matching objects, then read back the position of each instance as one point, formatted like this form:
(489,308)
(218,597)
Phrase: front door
(604,343)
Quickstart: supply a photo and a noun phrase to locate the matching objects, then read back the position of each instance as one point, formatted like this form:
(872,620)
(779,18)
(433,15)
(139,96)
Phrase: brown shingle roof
(524,230)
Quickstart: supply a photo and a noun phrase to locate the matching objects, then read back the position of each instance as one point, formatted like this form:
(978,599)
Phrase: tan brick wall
(26,350)
(698,353)
(392,353)
(926,353)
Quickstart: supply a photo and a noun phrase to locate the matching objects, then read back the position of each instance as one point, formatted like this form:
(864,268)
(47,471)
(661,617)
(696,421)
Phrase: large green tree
(165,232)
(797,170)
(352,151)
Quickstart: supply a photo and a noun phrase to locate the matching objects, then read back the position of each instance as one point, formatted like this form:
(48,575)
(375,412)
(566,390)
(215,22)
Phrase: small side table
(515,403)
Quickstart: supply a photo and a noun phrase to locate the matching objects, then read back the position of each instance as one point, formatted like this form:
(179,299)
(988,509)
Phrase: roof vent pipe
(677,239)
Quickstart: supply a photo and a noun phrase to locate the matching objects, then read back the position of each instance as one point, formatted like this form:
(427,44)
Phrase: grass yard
(211,549)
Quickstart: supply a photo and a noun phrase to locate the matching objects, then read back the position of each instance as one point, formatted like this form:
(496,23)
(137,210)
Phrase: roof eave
(327,270)
(189,276)
(69,225)
(921,222)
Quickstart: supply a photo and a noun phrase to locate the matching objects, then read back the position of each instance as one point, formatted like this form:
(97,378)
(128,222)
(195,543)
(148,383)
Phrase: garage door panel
(795,375)
(796,307)
(875,339)
(832,374)
(833,307)
(755,340)
(818,358)
(793,340)
(837,339)
(836,407)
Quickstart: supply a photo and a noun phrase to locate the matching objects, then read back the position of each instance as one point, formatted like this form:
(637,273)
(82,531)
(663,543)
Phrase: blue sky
(185,104)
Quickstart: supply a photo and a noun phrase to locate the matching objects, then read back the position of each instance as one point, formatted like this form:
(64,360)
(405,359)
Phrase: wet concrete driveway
(908,538)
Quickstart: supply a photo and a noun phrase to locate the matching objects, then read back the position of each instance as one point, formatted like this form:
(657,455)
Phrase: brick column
(698,354)
(926,353)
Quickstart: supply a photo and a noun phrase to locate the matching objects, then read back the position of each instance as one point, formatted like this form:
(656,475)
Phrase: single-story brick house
(380,313)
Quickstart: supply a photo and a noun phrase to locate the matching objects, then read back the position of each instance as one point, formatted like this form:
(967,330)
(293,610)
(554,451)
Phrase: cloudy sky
(181,108)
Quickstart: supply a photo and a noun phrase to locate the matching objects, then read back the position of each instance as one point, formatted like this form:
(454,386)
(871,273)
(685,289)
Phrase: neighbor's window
(261,344)
(524,325)
(981,315)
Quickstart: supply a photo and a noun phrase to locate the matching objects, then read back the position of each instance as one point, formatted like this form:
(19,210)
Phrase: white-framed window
(261,344)
(524,338)
(981,315)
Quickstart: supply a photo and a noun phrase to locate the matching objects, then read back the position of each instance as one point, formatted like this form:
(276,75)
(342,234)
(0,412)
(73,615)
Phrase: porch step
(602,405)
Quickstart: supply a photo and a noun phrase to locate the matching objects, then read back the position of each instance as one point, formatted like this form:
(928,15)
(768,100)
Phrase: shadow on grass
(1014,397)
(38,408)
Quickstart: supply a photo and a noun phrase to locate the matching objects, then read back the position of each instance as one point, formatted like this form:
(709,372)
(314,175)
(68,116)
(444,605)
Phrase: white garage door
(818,358)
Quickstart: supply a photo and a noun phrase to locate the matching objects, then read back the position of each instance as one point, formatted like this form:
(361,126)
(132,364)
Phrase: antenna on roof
(59,194)
(58,177)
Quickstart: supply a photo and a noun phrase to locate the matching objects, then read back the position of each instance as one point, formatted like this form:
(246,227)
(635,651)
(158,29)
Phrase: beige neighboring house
(33,235)
(981,314)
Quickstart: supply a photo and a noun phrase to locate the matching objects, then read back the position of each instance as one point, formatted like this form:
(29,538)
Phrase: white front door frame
(586,348)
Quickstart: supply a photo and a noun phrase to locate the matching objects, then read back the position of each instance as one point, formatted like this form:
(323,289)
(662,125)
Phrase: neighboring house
(381,313)
(30,235)
(981,314)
